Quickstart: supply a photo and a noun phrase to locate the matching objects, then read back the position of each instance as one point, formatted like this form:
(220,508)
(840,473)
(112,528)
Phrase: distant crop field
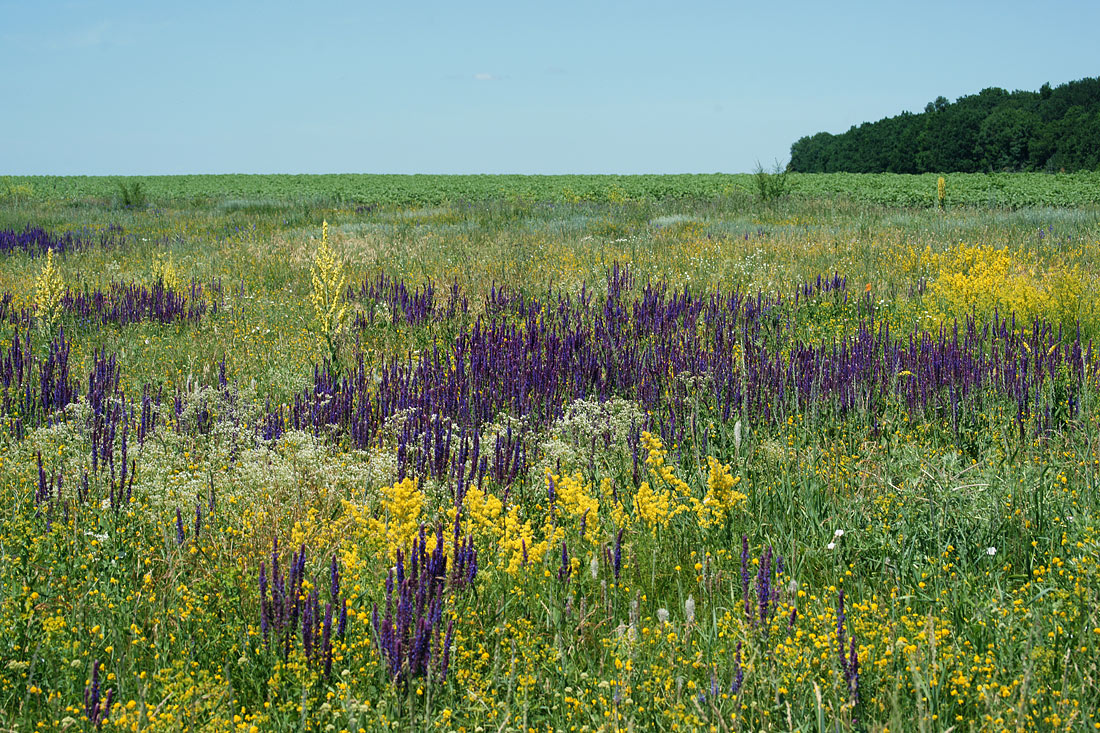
(919,191)
(550,453)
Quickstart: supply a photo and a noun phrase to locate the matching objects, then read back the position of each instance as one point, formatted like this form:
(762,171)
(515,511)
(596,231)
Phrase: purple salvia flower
(763,585)
(180,537)
(444,663)
(738,673)
(95,708)
(326,639)
(334,579)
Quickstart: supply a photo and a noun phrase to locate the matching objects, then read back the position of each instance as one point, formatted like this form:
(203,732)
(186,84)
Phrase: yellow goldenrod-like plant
(978,279)
(165,272)
(941,191)
(329,281)
(49,288)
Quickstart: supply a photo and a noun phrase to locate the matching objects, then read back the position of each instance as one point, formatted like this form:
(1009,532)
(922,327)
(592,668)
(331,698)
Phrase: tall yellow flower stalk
(329,281)
(48,291)
(941,191)
(165,272)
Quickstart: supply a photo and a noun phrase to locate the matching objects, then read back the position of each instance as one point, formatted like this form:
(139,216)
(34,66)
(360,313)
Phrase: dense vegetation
(670,463)
(272,194)
(1050,130)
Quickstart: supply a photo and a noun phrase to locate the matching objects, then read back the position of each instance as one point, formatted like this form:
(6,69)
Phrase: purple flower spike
(326,639)
(566,568)
(738,673)
(95,708)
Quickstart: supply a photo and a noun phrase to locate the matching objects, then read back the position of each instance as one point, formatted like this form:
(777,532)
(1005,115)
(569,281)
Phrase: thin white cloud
(486,77)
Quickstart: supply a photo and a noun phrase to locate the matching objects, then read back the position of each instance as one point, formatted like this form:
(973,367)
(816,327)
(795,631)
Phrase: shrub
(771,185)
(131,195)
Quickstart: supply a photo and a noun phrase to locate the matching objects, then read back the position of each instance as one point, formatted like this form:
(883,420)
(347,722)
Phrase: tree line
(1054,129)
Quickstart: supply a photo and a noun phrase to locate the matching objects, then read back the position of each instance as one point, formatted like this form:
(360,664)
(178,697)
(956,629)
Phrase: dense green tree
(995,130)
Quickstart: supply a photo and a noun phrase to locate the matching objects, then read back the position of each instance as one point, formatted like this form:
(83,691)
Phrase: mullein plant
(330,308)
(49,287)
(941,192)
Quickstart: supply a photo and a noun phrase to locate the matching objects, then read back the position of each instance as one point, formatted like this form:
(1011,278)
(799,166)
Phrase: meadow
(533,453)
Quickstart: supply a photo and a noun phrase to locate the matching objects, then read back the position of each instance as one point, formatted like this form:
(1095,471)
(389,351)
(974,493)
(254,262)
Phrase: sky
(126,88)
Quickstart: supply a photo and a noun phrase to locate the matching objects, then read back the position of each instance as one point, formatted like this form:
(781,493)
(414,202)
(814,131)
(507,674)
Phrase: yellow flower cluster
(518,544)
(403,504)
(329,280)
(721,495)
(483,512)
(655,460)
(165,272)
(979,279)
(574,500)
(652,507)
(48,290)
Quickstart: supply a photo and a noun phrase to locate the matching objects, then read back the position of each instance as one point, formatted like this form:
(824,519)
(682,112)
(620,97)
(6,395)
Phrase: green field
(634,452)
(998,190)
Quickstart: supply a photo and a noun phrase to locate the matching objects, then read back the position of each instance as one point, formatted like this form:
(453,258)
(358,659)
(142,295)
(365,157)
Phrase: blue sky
(104,87)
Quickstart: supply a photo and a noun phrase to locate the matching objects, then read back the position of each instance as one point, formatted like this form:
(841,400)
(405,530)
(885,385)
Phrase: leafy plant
(771,185)
(131,195)
(16,192)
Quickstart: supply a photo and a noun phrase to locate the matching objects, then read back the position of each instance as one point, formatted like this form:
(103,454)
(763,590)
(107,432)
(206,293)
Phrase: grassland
(591,453)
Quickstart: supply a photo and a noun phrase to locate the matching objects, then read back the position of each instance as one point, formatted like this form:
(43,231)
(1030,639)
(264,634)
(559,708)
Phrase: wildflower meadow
(575,453)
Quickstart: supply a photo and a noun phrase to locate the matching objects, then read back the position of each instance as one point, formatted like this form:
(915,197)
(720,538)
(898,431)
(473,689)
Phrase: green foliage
(12,192)
(296,200)
(771,185)
(995,130)
(131,194)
